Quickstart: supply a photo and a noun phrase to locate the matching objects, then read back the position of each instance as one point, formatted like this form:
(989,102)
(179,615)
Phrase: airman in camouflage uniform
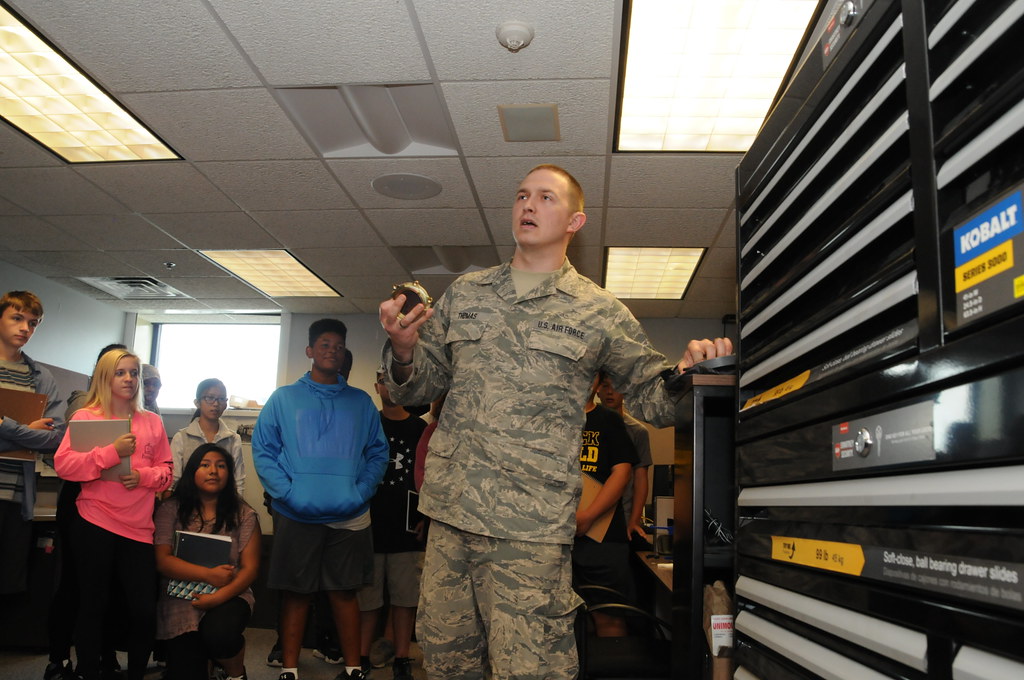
(502,477)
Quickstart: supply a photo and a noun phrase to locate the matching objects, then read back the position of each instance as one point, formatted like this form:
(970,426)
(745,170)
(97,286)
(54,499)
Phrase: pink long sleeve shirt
(108,505)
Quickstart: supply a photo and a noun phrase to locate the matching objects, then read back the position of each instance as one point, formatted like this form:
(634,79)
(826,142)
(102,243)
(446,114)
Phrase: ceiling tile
(440,226)
(366,305)
(8,208)
(222,125)
(356,176)
(363,286)
(499,223)
(24,232)
(652,309)
(277,185)
(186,264)
(712,290)
(114,232)
(19,151)
(583,115)
(211,287)
(497,179)
(309,42)
(682,180)
(567,43)
(704,309)
(325,306)
(327,262)
(213,231)
(55,191)
(318,228)
(82,287)
(665,227)
(588,261)
(167,186)
(78,263)
(719,263)
(437,285)
(143,46)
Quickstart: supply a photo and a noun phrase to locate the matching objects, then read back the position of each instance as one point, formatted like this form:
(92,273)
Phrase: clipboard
(86,435)
(591,487)
(24,408)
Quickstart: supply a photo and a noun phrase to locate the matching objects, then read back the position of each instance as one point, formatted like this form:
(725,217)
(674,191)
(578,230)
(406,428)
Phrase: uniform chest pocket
(470,331)
(563,345)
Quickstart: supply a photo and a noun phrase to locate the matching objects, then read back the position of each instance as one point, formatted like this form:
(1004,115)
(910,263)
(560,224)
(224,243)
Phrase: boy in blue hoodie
(320,452)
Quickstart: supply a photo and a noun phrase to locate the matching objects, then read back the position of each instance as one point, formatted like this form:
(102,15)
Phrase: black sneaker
(402,668)
(365,665)
(275,657)
(357,674)
(287,676)
(59,670)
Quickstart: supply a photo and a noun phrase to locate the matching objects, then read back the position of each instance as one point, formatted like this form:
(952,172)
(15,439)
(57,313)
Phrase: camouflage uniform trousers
(496,608)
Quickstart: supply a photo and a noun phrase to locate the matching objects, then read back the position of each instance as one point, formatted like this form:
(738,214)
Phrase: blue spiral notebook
(206,550)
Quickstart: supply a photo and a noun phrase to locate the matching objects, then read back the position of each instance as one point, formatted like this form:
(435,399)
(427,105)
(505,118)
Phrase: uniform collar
(565,280)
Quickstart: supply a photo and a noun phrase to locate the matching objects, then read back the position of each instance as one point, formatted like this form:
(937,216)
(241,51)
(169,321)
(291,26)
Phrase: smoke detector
(515,35)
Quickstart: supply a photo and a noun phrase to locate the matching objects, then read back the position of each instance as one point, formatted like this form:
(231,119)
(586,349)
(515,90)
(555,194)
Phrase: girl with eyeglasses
(207,428)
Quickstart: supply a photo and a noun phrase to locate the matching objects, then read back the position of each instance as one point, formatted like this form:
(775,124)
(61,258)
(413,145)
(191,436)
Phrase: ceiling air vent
(133,287)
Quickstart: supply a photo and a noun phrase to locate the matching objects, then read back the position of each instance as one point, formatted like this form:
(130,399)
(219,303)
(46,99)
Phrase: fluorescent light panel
(650,273)
(275,272)
(49,99)
(700,75)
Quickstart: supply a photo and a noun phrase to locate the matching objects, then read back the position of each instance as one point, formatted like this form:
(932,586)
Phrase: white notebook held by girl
(86,435)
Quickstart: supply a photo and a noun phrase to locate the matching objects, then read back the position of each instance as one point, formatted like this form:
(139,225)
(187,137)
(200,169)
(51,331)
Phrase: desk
(658,565)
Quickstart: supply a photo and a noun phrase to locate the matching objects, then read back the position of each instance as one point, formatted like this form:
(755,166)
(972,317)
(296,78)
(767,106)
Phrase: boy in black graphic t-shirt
(606,454)
(398,552)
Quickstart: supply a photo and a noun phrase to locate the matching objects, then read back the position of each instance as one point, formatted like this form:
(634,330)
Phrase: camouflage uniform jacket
(504,460)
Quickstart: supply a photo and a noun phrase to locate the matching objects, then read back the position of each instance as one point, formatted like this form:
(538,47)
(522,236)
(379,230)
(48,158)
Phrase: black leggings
(100,555)
(219,637)
(63,614)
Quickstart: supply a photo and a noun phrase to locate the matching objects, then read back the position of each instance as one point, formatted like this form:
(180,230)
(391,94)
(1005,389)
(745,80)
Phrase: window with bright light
(244,357)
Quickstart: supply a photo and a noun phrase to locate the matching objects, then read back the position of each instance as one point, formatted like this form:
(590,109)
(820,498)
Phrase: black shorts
(307,558)
(602,564)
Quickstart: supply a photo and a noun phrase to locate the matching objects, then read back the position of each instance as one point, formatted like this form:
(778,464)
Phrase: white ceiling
(202,74)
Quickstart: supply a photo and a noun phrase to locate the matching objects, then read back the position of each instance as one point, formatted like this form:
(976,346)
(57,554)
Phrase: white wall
(75,327)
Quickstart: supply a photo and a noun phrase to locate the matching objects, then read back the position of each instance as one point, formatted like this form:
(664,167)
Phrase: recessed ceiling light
(701,75)
(406,186)
(275,272)
(49,99)
(650,273)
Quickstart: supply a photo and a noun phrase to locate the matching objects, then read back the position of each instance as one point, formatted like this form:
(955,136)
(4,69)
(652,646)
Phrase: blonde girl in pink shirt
(113,538)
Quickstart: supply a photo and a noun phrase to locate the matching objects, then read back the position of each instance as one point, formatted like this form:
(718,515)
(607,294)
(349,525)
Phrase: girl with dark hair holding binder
(212,625)
(113,535)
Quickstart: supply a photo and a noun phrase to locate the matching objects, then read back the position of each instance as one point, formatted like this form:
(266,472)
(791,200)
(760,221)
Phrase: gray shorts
(401,572)
(307,558)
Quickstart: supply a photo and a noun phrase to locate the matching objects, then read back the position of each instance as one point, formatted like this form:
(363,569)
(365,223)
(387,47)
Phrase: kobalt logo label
(994,226)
